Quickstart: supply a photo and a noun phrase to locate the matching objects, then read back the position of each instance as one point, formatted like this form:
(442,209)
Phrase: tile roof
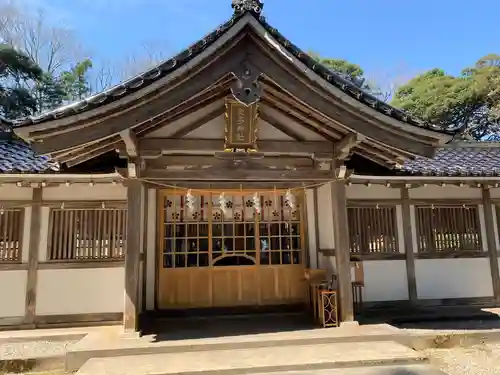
(18,157)
(241,8)
(473,159)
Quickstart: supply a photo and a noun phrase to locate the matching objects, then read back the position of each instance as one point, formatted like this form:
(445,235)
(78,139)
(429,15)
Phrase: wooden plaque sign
(241,126)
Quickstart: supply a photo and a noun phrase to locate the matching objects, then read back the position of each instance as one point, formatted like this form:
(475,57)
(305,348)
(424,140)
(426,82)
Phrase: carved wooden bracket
(247,89)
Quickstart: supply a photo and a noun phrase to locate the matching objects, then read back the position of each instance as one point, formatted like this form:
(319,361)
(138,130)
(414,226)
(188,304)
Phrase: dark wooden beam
(408,243)
(342,250)
(131,144)
(282,128)
(344,147)
(34,243)
(194,84)
(154,146)
(193,161)
(197,123)
(491,242)
(215,174)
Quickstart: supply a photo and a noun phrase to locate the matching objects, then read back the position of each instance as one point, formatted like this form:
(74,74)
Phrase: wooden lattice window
(10,235)
(373,229)
(448,228)
(206,235)
(87,234)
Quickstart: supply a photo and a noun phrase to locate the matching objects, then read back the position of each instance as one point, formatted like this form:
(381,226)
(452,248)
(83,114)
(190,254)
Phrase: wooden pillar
(342,251)
(135,233)
(491,242)
(34,242)
(408,242)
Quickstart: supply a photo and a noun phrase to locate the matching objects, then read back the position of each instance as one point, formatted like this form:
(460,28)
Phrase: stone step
(39,355)
(111,345)
(257,360)
(371,370)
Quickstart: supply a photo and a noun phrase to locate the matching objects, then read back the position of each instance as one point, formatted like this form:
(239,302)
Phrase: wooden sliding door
(222,253)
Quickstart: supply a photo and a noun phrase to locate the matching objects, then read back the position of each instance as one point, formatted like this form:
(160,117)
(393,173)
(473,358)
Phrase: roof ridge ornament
(243,6)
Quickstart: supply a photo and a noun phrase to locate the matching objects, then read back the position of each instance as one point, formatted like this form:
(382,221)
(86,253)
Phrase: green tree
(15,70)
(75,82)
(470,100)
(352,72)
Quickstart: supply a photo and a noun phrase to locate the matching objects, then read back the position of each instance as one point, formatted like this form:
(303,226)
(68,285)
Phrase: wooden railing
(87,234)
(372,229)
(442,229)
(11,225)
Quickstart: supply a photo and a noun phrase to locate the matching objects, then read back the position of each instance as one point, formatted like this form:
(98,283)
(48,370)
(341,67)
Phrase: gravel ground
(475,360)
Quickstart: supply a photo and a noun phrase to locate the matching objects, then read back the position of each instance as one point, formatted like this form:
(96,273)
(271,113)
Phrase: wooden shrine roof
(289,80)
(158,72)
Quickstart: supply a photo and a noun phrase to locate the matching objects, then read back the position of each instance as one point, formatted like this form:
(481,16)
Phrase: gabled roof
(242,8)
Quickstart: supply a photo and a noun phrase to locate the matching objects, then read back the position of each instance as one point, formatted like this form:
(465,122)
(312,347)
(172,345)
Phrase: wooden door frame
(161,193)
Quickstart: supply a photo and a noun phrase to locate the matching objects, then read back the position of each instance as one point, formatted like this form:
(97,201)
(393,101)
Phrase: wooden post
(408,241)
(342,251)
(135,233)
(491,242)
(34,242)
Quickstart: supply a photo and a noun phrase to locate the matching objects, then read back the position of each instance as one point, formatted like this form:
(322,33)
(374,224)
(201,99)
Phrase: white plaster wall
(85,192)
(495,192)
(385,280)
(80,291)
(445,192)
(358,191)
(311,229)
(12,293)
(453,278)
(12,192)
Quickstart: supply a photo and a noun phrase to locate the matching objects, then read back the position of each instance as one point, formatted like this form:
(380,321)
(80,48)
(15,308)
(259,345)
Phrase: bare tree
(387,81)
(53,48)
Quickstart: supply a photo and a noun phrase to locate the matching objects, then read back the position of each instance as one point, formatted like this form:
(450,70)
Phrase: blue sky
(391,40)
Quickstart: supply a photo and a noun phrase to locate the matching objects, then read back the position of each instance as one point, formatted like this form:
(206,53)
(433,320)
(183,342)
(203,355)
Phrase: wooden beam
(129,138)
(196,161)
(197,123)
(174,98)
(282,128)
(154,146)
(215,174)
(344,147)
(408,243)
(134,244)
(491,242)
(342,250)
(34,243)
